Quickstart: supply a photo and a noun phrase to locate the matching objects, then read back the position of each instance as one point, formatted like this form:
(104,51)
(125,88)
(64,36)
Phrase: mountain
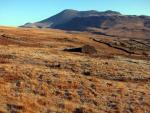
(66,16)
(110,23)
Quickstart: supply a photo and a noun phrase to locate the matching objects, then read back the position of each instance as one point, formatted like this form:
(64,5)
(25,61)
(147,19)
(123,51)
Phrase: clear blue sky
(18,12)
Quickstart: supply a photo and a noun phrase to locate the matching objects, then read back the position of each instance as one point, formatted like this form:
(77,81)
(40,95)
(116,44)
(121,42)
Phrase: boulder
(88,49)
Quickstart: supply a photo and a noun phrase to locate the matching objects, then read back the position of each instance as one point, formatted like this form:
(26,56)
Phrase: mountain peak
(69,11)
(110,12)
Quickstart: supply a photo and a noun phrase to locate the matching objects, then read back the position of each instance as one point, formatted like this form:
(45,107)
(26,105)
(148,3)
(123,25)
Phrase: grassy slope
(37,76)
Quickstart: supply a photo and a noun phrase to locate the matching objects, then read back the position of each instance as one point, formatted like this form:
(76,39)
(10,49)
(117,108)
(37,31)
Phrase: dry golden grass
(37,76)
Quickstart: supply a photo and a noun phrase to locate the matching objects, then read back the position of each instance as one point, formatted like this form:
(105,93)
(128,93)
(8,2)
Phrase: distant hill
(107,23)
(66,16)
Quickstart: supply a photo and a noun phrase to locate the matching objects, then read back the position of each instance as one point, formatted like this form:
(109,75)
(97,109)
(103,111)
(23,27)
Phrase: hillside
(55,71)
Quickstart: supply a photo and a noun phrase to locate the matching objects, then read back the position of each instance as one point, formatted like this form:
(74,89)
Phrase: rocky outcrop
(88,49)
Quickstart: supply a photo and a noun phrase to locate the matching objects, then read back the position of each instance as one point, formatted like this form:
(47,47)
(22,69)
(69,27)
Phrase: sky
(19,12)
